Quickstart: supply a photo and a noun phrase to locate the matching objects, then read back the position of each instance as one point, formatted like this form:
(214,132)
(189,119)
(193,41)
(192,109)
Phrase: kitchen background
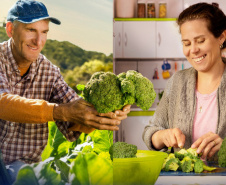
(146,38)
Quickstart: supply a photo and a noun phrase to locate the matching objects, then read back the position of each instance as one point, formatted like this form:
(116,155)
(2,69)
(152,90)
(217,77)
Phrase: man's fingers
(102,126)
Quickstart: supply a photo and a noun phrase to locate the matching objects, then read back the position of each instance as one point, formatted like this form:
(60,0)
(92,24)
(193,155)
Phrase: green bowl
(142,170)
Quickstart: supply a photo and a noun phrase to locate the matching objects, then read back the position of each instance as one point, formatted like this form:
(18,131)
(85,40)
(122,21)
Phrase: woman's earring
(221,46)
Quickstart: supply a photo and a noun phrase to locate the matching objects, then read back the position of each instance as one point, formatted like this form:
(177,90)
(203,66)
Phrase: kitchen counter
(191,180)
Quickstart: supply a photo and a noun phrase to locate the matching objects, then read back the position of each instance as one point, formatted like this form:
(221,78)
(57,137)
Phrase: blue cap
(29,11)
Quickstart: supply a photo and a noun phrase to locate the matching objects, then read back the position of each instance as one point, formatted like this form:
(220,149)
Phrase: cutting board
(217,172)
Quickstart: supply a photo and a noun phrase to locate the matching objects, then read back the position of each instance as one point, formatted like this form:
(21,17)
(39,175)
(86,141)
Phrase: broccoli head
(122,150)
(108,92)
(222,154)
(172,164)
(103,91)
(137,88)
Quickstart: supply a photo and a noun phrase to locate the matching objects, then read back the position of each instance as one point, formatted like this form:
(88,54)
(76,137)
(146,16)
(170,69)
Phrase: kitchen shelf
(145,19)
(141,113)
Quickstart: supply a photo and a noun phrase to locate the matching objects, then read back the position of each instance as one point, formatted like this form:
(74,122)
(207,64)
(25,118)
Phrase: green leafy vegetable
(222,154)
(122,150)
(108,92)
(186,161)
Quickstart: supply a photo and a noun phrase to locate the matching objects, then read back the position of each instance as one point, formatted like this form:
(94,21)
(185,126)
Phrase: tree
(81,75)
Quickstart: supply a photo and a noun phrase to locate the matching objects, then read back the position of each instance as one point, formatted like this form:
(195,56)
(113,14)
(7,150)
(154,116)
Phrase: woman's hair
(214,16)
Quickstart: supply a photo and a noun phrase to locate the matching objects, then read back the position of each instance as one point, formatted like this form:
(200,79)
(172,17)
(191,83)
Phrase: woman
(192,111)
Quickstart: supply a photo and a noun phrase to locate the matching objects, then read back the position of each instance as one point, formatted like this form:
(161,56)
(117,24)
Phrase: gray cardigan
(178,104)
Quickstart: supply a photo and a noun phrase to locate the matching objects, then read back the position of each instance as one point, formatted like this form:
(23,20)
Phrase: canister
(162,10)
(150,9)
(141,13)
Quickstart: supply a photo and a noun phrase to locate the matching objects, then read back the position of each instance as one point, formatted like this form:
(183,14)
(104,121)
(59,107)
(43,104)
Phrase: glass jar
(150,9)
(162,10)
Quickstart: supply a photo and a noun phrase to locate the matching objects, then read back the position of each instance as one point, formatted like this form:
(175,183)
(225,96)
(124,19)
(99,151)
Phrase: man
(33,92)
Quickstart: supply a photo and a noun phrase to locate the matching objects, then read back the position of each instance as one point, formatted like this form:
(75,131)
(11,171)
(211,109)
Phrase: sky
(85,23)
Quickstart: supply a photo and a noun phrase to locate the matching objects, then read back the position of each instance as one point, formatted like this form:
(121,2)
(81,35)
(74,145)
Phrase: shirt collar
(33,67)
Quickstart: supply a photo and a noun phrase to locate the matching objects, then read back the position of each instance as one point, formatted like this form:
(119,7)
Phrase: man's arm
(19,109)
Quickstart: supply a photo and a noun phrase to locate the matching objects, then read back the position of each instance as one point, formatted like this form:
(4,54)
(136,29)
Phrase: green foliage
(222,154)
(67,55)
(122,150)
(3,35)
(108,92)
(85,161)
(82,74)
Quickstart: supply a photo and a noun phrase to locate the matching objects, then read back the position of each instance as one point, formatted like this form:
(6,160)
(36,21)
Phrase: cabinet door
(169,40)
(117,39)
(139,39)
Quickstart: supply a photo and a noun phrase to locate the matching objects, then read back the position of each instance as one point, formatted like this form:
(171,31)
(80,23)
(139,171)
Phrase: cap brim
(31,20)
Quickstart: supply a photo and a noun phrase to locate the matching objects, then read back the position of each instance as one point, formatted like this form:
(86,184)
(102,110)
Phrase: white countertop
(191,180)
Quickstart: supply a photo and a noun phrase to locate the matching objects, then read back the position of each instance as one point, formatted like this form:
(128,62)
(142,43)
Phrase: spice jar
(162,10)
(150,9)
(141,9)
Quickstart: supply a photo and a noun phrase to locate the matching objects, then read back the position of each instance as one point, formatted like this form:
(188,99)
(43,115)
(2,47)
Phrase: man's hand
(82,112)
(208,144)
(168,138)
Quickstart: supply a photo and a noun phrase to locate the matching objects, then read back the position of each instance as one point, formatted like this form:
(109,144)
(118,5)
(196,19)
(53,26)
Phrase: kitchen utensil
(165,74)
(166,65)
(156,74)
(143,170)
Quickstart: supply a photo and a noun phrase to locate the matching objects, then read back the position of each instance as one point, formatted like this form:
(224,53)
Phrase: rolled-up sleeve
(160,119)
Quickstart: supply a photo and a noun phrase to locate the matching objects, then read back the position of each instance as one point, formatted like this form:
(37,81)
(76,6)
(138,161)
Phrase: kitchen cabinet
(134,39)
(139,39)
(168,40)
(147,39)
(117,39)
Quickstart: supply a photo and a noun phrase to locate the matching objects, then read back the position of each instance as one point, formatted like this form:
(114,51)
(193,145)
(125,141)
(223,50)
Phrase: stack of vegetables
(186,161)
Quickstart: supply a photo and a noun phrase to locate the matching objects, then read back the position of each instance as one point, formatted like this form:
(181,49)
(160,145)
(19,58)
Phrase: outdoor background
(83,43)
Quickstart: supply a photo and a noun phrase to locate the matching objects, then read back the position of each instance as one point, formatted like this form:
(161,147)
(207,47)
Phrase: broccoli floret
(180,154)
(222,154)
(172,164)
(198,166)
(139,87)
(103,91)
(122,150)
(187,166)
(193,151)
(170,156)
(108,92)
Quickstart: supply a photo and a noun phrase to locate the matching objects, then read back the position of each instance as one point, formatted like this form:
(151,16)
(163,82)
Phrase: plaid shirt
(26,142)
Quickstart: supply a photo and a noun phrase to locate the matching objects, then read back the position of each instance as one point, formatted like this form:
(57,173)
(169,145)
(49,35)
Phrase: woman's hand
(208,144)
(168,138)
